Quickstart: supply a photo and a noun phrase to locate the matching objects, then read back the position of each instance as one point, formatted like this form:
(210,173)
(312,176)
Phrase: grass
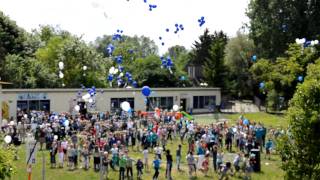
(269,172)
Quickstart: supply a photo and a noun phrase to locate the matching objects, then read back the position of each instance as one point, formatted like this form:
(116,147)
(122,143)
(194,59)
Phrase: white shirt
(145,153)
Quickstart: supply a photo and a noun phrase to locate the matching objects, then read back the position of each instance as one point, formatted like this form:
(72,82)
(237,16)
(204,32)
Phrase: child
(61,155)
(85,155)
(178,157)
(53,152)
(191,164)
(145,157)
(105,164)
(205,165)
(122,166)
(225,171)
(156,165)
(139,166)
(268,146)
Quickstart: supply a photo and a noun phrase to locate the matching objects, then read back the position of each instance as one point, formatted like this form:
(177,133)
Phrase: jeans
(178,161)
(168,170)
(156,173)
(121,173)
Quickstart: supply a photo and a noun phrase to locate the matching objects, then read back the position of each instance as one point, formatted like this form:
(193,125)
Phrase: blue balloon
(121,68)
(135,84)
(300,78)
(160,37)
(167,30)
(162,43)
(246,122)
(110,77)
(254,58)
(146,91)
(127,74)
(261,85)
(145,1)
(176,25)
(131,51)
(119,59)
(182,78)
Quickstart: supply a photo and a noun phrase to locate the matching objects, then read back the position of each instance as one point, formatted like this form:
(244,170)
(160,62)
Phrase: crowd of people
(143,141)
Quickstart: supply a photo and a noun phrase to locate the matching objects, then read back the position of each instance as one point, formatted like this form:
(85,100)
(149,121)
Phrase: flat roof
(111,89)
(2,82)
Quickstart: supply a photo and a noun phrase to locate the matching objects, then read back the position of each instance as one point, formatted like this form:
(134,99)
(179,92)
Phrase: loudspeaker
(257,163)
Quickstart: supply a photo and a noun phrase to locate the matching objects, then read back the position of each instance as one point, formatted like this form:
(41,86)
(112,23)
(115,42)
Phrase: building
(64,100)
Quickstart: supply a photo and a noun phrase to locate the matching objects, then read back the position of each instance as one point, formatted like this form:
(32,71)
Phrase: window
(116,103)
(160,102)
(34,105)
(204,102)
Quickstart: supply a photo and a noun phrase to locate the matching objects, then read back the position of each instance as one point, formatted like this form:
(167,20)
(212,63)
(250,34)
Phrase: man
(122,166)
(191,164)
(178,157)
(169,165)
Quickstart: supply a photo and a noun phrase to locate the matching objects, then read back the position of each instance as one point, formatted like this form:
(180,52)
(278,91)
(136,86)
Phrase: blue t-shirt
(156,163)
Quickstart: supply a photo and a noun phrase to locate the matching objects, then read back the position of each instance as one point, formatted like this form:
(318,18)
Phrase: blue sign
(32,96)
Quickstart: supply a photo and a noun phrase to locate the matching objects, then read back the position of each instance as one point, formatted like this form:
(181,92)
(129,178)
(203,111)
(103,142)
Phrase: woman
(60,154)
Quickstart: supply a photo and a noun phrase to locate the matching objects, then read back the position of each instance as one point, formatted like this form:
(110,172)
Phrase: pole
(29,169)
(101,173)
(43,167)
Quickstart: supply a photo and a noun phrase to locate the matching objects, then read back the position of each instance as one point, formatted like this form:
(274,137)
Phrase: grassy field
(270,168)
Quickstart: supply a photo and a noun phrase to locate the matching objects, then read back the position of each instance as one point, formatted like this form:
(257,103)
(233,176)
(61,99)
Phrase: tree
(239,51)
(7,167)
(274,24)
(214,70)
(300,152)
(201,49)
(11,39)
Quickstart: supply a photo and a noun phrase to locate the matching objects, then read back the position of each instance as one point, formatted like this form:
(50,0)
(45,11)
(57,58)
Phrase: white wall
(60,98)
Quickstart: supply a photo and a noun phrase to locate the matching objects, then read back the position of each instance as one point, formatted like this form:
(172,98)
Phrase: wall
(60,99)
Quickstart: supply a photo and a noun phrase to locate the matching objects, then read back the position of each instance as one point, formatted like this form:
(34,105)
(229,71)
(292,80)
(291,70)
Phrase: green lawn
(270,171)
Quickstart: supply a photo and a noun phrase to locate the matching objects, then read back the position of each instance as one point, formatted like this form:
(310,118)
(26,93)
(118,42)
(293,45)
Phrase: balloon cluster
(201,21)
(152,6)
(178,28)
(166,63)
(89,97)
(109,49)
(117,35)
(113,72)
(303,42)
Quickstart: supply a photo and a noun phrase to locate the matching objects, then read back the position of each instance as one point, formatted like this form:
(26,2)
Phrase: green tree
(214,70)
(301,155)
(274,24)
(239,51)
(11,40)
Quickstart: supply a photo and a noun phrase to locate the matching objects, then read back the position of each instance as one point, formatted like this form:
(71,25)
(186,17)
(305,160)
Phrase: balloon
(167,30)
(61,75)
(162,43)
(86,97)
(111,70)
(160,38)
(84,68)
(55,137)
(175,107)
(146,91)
(261,85)
(246,122)
(300,78)
(121,75)
(254,58)
(61,65)
(116,71)
(7,139)
(125,106)
(66,123)
(90,100)
(135,84)
(77,108)
(110,77)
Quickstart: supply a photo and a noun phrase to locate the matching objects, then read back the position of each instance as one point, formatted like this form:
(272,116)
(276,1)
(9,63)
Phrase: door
(183,104)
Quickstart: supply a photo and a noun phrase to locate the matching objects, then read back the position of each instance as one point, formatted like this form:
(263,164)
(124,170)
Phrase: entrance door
(183,104)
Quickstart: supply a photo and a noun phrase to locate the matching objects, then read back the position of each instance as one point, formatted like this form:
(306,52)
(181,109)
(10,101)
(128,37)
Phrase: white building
(64,100)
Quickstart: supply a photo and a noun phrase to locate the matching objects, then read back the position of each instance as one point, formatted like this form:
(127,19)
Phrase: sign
(31,152)
(32,96)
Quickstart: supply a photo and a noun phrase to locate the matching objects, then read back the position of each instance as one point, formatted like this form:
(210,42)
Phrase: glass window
(34,105)
(45,105)
(195,102)
(22,105)
(201,102)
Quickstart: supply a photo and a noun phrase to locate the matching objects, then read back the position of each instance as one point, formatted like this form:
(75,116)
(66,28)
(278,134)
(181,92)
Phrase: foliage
(238,54)
(7,166)
(301,155)
(282,75)
(276,23)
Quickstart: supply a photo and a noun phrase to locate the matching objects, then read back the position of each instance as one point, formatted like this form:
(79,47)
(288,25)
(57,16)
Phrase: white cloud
(93,18)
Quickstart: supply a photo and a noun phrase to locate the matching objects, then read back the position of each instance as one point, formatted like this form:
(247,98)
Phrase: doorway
(183,104)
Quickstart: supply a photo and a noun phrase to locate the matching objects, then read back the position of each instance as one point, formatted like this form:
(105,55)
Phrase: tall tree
(239,52)
(274,24)
(11,39)
(214,70)
(300,149)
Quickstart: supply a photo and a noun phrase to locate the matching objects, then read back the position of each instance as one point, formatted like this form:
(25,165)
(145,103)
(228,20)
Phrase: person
(268,146)
(53,152)
(236,162)
(61,155)
(105,164)
(145,158)
(226,171)
(169,165)
(129,167)
(96,159)
(122,167)
(219,159)
(85,154)
(214,156)
(191,164)
(75,156)
(115,156)
(158,151)
(229,135)
(139,166)
(205,165)
(178,157)
(156,165)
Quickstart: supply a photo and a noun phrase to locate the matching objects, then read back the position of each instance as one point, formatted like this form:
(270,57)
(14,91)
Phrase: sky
(93,18)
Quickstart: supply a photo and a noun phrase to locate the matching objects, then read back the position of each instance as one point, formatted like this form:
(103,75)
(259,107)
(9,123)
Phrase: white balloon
(111,70)
(316,42)
(303,40)
(86,97)
(61,75)
(61,65)
(55,137)
(121,75)
(84,68)
(90,100)
(77,108)
(128,87)
(175,107)
(7,139)
(297,40)
(11,123)
(116,71)
(125,106)
(25,116)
